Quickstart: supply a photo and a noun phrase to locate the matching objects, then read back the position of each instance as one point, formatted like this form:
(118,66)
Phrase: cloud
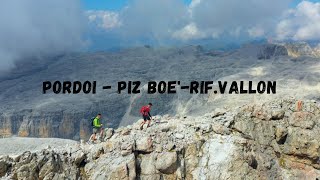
(32,28)
(237,18)
(256,32)
(189,32)
(104,19)
(153,19)
(142,21)
(301,23)
(171,20)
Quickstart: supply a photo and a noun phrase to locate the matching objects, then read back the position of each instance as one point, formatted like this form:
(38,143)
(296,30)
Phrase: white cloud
(189,32)
(144,21)
(201,19)
(237,18)
(301,23)
(233,20)
(104,19)
(256,32)
(153,18)
(35,28)
(227,19)
(194,3)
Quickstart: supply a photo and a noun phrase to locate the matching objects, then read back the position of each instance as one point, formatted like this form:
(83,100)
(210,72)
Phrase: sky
(114,5)
(35,29)
(111,5)
(167,22)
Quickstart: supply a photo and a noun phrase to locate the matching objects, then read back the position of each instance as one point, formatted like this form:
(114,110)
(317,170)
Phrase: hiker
(145,112)
(97,128)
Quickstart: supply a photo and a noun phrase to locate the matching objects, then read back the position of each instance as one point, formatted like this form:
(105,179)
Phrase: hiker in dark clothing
(145,112)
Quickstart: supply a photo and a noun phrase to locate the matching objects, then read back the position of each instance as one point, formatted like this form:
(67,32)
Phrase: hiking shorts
(96,130)
(145,118)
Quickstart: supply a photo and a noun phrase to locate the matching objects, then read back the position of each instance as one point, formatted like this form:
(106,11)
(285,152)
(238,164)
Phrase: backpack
(143,110)
(91,120)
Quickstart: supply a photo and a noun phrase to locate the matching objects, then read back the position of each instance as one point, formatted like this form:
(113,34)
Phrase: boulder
(205,128)
(281,134)
(302,143)
(147,165)
(167,162)
(126,148)
(304,120)
(97,151)
(170,146)
(165,129)
(112,167)
(51,166)
(78,156)
(5,164)
(179,136)
(144,144)
(277,114)
(125,131)
(220,129)
(108,133)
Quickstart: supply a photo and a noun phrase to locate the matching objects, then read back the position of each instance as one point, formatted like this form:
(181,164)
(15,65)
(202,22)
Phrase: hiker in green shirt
(96,128)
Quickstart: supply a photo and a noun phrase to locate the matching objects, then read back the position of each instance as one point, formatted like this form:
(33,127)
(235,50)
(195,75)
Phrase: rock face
(45,124)
(272,50)
(294,50)
(257,141)
(302,49)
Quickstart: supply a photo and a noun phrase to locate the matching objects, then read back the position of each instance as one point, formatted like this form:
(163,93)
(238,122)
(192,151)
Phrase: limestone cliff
(274,140)
(302,49)
(295,50)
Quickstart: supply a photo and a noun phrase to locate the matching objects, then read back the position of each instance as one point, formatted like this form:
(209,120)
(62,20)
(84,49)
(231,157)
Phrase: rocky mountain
(272,50)
(288,49)
(302,49)
(25,111)
(278,139)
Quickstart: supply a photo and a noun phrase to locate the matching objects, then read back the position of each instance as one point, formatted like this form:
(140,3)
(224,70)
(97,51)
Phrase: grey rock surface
(18,145)
(255,147)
